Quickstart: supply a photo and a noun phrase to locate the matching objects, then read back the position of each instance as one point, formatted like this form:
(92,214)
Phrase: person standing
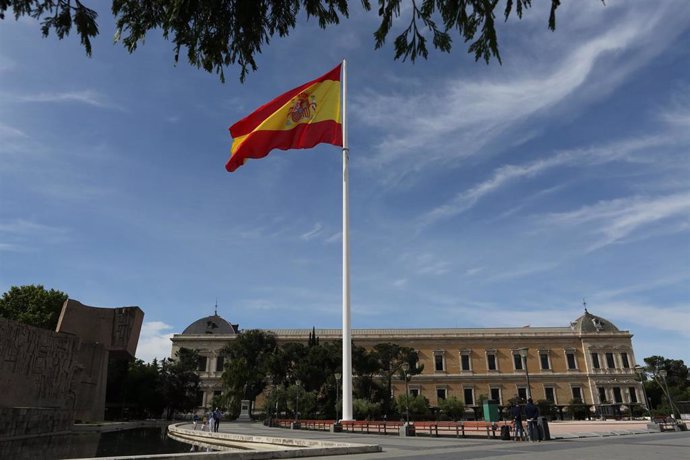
(516,412)
(216,420)
(196,420)
(532,414)
(211,421)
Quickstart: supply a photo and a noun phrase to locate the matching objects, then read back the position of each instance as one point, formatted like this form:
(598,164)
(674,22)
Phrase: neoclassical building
(589,359)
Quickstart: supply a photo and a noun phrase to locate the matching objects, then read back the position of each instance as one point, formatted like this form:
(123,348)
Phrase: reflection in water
(138,441)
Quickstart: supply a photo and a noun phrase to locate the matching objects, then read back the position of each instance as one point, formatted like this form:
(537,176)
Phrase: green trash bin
(491,410)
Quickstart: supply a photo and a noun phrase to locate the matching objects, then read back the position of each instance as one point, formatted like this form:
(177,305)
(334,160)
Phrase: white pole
(347,341)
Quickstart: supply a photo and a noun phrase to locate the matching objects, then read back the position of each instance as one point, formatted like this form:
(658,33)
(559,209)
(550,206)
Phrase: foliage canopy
(33,305)
(216,35)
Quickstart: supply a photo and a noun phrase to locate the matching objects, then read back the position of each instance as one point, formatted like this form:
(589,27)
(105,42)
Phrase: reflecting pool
(137,441)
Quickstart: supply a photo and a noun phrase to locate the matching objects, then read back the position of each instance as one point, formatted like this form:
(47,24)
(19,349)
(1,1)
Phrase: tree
(390,358)
(364,409)
(218,34)
(578,409)
(250,358)
(452,407)
(675,381)
(417,405)
(141,389)
(365,366)
(32,304)
(179,382)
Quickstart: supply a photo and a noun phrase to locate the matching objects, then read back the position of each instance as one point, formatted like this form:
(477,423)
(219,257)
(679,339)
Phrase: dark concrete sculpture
(48,379)
(105,333)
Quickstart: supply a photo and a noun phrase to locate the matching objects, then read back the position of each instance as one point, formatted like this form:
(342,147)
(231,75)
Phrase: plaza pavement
(573,441)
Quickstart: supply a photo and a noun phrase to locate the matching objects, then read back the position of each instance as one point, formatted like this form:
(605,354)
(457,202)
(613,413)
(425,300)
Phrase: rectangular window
(517,360)
(571,360)
(550,394)
(602,394)
(577,393)
(624,360)
(220,362)
(440,393)
(491,361)
(617,395)
(414,392)
(595,361)
(544,358)
(610,363)
(469,396)
(438,361)
(465,362)
(201,364)
(633,394)
(496,394)
(522,393)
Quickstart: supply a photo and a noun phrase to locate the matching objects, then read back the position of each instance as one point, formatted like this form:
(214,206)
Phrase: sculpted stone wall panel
(36,366)
(116,328)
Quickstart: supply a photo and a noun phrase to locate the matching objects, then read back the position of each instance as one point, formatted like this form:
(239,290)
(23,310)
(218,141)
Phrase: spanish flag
(299,119)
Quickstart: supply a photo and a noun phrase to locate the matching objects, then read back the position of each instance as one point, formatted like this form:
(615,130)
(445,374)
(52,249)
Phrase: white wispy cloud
(425,263)
(613,220)
(509,174)
(313,233)
(9,132)
(88,97)
(679,279)
(154,341)
(23,235)
(337,236)
(473,271)
(449,120)
(663,318)
(7,64)
(400,282)
(677,112)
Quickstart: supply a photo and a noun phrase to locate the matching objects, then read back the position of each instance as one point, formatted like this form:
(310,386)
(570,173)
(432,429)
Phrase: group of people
(531,416)
(210,421)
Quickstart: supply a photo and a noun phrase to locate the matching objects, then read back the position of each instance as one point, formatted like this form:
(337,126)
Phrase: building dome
(211,325)
(589,323)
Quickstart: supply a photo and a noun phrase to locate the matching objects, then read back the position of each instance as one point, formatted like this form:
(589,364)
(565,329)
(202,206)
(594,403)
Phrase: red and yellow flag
(299,119)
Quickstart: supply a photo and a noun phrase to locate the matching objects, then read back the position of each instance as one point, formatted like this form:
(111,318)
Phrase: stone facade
(589,360)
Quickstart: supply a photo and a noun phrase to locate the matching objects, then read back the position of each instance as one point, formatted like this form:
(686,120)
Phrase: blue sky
(480,196)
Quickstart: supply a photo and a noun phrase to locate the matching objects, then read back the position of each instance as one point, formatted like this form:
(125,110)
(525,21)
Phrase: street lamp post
(662,373)
(298,385)
(642,373)
(406,369)
(523,354)
(407,429)
(337,376)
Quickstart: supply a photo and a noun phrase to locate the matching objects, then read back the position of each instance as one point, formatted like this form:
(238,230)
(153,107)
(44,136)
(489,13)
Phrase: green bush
(452,408)
(364,409)
(578,409)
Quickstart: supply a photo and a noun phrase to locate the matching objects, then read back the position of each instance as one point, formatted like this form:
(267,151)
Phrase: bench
(367,426)
(459,429)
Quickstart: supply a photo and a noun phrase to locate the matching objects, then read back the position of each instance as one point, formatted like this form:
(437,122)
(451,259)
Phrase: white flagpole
(347,341)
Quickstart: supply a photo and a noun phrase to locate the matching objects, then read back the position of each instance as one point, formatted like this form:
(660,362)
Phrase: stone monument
(245,404)
(50,379)
(105,333)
